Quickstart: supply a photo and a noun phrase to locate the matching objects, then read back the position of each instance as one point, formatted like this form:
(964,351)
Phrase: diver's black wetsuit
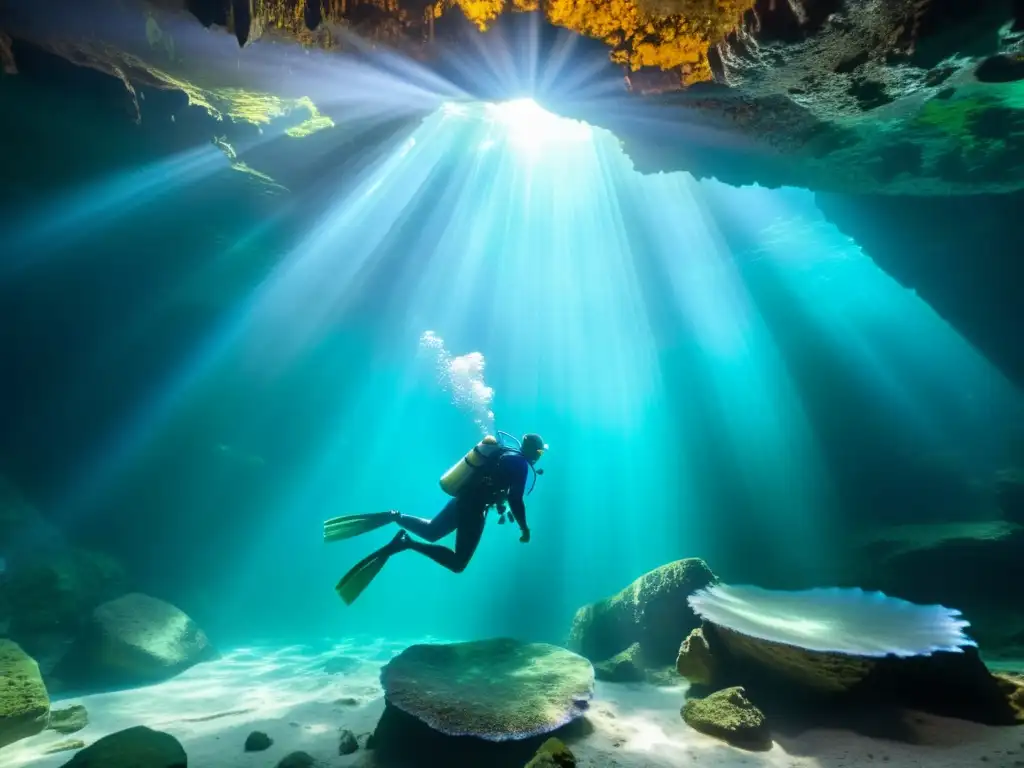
(466,514)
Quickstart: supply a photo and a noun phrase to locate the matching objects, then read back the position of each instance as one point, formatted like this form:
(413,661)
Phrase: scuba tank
(465,470)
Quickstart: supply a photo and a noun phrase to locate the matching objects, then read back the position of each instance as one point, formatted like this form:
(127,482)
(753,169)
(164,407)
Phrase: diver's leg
(446,521)
(470,530)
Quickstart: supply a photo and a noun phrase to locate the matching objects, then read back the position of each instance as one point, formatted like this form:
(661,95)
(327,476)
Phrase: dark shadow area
(962,255)
(401,739)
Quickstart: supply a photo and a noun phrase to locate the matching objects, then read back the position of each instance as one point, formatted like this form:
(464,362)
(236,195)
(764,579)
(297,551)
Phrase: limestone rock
(652,611)
(625,667)
(137,747)
(24,703)
(856,96)
(69,719)
(135,640)
(553,754)
(730,716)
(695,661)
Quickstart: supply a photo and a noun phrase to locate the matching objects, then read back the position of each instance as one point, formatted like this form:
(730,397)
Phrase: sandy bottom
(301,698)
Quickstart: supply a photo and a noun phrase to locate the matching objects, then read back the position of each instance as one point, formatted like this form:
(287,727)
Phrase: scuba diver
(490,475)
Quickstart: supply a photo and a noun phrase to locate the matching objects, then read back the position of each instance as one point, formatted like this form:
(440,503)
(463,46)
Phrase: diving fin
(338,528)
(362,573)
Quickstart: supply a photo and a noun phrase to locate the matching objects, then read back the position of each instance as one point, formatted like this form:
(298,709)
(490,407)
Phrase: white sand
(287,693)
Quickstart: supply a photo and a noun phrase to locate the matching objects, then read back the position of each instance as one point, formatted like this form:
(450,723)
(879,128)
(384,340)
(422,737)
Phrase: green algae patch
(24,702)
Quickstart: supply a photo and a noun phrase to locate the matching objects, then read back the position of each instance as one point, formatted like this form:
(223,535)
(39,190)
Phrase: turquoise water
(705,392)
(718,371)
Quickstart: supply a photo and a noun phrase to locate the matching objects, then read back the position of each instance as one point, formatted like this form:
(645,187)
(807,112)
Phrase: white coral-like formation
(834,620)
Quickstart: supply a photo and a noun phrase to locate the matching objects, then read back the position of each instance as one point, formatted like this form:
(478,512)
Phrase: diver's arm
(515,501)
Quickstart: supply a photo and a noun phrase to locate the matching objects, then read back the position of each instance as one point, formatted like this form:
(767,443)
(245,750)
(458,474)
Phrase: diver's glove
(525,538)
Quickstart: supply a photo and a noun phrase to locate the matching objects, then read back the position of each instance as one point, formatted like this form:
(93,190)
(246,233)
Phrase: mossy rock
(817,671)
(69,720)
(730,716)
(137,747)
(553,754)
(652,611)
(625,667)
(1012,687)
(944,683)
(496,690)
(24,702)
(695,661)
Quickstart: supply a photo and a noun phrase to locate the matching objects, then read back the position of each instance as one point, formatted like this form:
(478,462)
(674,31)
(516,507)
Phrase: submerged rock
(625,667)
(780,675)
(652,611)
(490,702)
(64,746)
(135,640)
(24,702)
(297,760)
(257,741)
(69,720)
(496,690)
(347,743)
(132,748)
(695,661)
(729,715)
(553,754)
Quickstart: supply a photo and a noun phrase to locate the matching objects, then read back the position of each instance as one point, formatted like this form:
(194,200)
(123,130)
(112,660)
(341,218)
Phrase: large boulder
(652,611)
(886,654)
(137,747)
(134,640)
(24,703)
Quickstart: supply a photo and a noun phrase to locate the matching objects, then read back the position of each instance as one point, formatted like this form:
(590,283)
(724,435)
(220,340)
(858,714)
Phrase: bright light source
(522,123)
(527,123)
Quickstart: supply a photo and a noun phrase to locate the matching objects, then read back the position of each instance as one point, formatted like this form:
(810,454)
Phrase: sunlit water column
(775,509)
(535,269)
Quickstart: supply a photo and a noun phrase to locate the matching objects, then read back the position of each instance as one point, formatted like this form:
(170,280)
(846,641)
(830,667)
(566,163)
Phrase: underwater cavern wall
(928,243)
